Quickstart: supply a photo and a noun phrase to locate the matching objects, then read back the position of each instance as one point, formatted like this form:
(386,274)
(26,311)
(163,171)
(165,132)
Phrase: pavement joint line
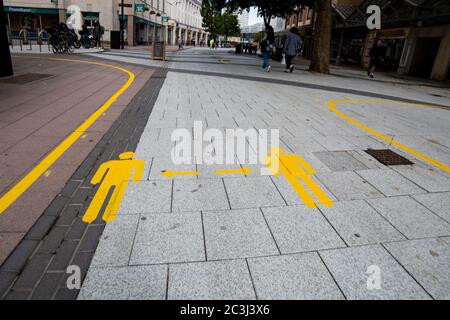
(332,276)
(19,188)
(407,271)
(332,105)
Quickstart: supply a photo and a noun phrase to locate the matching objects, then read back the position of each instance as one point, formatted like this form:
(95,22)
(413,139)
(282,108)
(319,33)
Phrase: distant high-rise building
(243,19)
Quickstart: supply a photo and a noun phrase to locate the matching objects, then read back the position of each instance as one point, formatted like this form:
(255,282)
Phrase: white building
(243,19)
(143,19)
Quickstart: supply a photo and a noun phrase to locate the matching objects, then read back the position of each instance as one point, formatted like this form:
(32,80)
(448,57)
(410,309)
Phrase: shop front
(31,19)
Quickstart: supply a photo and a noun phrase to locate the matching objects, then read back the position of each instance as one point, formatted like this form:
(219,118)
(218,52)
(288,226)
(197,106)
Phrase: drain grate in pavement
(388,157)
(25,78)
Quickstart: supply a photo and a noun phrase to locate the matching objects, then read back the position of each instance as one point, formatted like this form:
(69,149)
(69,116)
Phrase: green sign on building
(165,18)
(139,7)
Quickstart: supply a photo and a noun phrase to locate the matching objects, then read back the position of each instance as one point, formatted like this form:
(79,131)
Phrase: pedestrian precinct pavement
(384,234)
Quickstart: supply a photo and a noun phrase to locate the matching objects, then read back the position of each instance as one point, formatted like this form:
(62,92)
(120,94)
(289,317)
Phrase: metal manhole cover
(388,157)
(25,78)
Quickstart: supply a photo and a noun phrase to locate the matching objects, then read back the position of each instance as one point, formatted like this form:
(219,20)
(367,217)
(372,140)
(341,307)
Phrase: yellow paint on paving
(293,167)
(390,140)
(18,189)
(113,174)
(48,173)
(232,171)
(172,173)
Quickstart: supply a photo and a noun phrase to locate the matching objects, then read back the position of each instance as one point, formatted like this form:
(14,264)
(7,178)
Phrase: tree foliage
(217,21)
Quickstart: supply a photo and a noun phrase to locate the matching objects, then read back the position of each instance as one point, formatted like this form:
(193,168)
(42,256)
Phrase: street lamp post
(6,68)
(122,37)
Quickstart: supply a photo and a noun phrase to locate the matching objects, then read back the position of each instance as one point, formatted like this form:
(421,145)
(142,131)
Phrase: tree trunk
(6,68)
(322,38)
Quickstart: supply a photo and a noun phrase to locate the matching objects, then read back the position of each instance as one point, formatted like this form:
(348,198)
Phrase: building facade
(144,20)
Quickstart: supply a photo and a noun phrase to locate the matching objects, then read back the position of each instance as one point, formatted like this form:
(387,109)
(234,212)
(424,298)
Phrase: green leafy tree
(269,9)
(228,25)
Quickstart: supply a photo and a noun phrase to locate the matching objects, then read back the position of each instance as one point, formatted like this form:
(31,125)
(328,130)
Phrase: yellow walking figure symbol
(115,173)
(293,167)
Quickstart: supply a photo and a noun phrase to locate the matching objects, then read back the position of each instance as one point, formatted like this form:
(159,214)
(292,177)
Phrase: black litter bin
(115,39)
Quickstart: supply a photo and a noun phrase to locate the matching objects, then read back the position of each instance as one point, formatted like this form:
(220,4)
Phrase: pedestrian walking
(266,47)
(97,34)
(376,53)
(211,43)
(292,46)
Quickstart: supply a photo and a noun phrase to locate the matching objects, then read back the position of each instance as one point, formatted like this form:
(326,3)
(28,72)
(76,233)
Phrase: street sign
(139,7)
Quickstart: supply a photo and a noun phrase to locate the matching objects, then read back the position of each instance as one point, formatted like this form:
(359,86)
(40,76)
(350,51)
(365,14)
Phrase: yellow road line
(231,171)
(172,173)
(17,190)
(332,106)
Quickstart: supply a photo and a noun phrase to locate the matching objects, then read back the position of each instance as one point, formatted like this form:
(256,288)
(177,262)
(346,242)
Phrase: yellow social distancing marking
(390,140)
(113,174)
(295,170)
(18,189)
(172,173)
(233,171)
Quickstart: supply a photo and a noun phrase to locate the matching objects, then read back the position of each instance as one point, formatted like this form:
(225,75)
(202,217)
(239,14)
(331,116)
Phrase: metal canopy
(398,12)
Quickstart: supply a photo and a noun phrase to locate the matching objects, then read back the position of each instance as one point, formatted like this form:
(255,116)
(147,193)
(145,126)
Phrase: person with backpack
(266,47)
(292,45)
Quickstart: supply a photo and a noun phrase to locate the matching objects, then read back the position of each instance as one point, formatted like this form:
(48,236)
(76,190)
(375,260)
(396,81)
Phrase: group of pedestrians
(291,48)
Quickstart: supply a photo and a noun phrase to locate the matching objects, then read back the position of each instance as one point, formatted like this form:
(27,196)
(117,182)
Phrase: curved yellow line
(332,106)
(17,190)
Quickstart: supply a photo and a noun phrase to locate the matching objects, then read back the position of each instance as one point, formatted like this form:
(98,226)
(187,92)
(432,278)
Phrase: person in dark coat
(376,54)
(266,47)
(292,46)
(97,34)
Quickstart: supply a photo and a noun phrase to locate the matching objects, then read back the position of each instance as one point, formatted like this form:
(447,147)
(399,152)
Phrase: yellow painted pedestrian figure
(114,173)
(293,167)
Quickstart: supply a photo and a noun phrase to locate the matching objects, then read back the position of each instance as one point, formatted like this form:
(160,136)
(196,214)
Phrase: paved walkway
(247,236)
(195,231)
(42,107)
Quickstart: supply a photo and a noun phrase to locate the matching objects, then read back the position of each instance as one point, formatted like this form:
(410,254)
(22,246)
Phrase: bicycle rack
(39,40)
(23,34)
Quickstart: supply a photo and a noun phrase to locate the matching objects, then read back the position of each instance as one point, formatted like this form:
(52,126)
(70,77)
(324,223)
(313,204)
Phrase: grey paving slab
(167,238)
(228,279)
(237,234)
(339,161)
(390,183)
(148,149)
(353,269)
(198,195)
(160,165)
(294,276)
(348,186)
(125,283)
(114,248)
(358,223)
(428,261)
(335,143)
(147,196)
(252,192)
(439,203)
(427,178)
(299,228)
(411,218)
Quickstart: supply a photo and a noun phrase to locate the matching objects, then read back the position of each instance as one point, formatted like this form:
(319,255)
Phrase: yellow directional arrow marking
(172,173)
(231,171)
